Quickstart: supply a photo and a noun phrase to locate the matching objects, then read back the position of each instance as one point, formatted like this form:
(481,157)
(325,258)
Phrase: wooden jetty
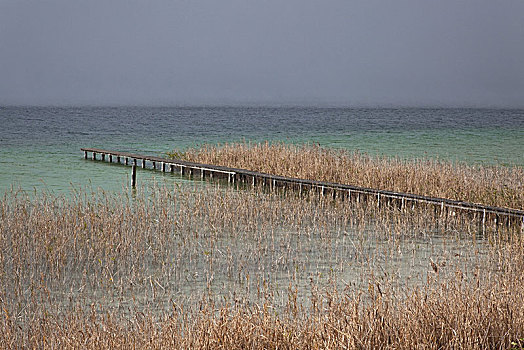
(233,175)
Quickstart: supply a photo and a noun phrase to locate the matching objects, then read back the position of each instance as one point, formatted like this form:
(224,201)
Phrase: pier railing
(350,192)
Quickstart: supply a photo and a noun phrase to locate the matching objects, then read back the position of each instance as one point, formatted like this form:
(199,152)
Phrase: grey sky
(343,52)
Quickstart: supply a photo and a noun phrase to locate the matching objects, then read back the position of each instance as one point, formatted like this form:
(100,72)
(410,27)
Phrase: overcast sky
(327,52)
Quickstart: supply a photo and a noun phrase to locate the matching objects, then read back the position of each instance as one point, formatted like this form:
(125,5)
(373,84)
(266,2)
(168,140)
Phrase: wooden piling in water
(133,176)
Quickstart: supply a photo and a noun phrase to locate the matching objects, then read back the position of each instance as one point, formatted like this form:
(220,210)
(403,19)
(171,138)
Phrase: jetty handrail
(450,203)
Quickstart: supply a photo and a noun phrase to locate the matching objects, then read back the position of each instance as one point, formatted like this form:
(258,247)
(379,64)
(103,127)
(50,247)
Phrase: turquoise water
(40,146)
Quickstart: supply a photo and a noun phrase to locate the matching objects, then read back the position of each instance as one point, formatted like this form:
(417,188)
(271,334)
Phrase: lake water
(40,149)
(40,146)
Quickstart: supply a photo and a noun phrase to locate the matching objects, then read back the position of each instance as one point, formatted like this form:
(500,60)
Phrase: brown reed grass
(491,185)
(454,315)
(99,270)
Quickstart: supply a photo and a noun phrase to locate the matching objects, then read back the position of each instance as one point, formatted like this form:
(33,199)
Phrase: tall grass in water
(491,185)
(176,267)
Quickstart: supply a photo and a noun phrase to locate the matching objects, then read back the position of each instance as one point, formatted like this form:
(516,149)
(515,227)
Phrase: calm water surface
(40,146)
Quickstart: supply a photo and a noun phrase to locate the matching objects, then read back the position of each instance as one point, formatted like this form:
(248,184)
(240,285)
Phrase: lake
(40,146)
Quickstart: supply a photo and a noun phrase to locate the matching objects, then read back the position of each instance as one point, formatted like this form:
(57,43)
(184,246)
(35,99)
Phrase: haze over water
(298,53)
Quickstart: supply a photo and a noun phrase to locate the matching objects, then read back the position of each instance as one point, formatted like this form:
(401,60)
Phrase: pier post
(171,168)
(133,176)
(143,163)
(85,154)
(163,167)
(103,157)
(154,165)
(126,160)
(110,158)
(94,155)
(118,159)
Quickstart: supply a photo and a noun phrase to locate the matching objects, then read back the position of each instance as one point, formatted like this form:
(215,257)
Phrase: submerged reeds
(213,267)
(491,185)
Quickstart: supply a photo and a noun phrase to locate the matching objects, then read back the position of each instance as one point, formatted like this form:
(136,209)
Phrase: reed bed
(212,267)
(491,185)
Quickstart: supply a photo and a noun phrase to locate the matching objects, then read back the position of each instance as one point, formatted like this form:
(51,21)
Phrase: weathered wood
(133,176)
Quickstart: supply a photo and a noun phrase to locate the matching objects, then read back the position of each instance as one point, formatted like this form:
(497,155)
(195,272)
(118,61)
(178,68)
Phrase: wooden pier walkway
(254,178)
